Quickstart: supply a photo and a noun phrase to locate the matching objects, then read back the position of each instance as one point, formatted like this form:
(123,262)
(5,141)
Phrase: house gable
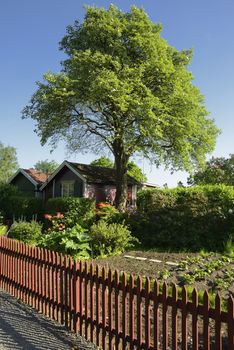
(24,184)
(63,178)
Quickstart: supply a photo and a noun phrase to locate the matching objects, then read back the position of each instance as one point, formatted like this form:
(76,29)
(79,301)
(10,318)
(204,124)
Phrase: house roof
(96,174)
(37,175)
(89,173)
(37,178)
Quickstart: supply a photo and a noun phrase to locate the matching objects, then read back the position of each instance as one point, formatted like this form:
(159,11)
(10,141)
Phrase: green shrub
(14,204)
(110,239)
(3,230)
(72,241)
(185,218)
(76,210)
(27,232)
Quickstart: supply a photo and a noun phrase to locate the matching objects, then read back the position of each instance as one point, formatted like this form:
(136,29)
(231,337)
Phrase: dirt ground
(210,271)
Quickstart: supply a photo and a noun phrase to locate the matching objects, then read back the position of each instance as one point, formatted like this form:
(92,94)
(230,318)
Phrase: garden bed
(211,271)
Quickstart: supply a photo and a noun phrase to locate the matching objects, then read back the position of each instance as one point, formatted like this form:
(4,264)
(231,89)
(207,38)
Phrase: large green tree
(46,166)
(218,170)
(132,168)
(8,162)
(123,87)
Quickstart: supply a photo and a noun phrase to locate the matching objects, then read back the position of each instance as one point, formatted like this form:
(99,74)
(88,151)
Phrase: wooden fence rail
(113,310)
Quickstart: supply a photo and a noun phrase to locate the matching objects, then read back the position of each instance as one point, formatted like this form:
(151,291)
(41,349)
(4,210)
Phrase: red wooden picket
(174,318)
(218,337)
(120,313)
(156,316)
(131,312)
(206,325)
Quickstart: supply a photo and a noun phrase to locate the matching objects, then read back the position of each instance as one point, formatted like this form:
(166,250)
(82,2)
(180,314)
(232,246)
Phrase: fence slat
(92,302)
(184,323)
(124,309)
(131,312)
(206,324)
(194,319)
(156,316)
(174,317)
(117,309)
(147,313)
(110,309)
(218,337)
(165,317)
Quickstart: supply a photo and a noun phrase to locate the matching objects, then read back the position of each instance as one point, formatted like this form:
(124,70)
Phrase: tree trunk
(121,160)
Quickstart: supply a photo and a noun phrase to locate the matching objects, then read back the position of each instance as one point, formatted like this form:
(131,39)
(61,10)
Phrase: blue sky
(29,34)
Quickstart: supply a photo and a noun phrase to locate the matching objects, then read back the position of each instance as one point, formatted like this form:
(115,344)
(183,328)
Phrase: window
(67,189)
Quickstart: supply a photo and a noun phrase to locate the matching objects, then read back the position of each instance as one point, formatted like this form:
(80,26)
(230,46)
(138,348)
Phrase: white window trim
(67,182)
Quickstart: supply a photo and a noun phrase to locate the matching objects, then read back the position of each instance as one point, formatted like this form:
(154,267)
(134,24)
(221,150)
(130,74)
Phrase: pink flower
(47,216)
(59,215)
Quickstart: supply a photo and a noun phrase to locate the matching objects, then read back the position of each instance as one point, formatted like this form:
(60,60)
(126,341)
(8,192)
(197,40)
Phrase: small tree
(218,171)
(123,87)
(46,166)
(8,162)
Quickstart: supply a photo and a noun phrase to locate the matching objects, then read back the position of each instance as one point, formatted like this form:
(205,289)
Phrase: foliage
(105,211)
(103,162)
(133,169)
(123,88)
(46,166)
(185,218)
(76,210)
(229,247)
(14,205)
(218,171)
(72,241)
(110,239)
(8,162)
(3,230)
(27,232)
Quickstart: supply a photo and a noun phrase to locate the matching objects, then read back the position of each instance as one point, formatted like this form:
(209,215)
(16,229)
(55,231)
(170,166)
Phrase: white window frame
(71,188)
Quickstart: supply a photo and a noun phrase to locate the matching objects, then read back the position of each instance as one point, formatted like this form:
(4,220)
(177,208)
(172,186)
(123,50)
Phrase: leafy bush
(14,205)
(185,218)
(3,230)
(72,241)
(27,232)
(110,239)
(76,210)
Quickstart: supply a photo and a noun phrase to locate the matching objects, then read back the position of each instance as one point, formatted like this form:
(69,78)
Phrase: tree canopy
(8,162)
(218,170)
(132,168)
(46,166)
(123,87)
(103,161)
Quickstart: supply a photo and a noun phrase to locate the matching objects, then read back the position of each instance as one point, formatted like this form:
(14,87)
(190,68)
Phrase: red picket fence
(110,309)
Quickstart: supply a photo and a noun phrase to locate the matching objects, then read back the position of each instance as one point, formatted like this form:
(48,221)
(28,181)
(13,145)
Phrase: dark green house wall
(64,175)
(24,185)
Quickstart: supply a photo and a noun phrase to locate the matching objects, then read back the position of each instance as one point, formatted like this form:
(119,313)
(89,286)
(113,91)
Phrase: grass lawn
(211,271)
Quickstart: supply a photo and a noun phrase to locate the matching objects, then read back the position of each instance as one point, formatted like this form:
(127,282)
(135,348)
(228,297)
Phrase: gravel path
(21,327)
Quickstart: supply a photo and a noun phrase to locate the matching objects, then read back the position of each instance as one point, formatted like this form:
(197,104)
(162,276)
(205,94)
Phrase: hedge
(192,218)
(14,205)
